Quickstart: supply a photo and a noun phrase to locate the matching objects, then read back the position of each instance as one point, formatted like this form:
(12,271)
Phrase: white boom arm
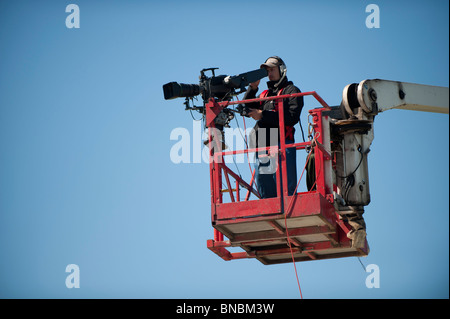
(374,96)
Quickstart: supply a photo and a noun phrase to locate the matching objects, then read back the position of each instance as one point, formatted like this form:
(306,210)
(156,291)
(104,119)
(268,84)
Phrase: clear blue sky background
(85,172)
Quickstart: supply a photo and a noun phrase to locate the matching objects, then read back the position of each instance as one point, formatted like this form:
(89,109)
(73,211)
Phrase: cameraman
(266,115)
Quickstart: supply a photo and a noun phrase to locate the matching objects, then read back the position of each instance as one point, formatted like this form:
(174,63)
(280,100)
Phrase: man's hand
(255,85)
(255,114)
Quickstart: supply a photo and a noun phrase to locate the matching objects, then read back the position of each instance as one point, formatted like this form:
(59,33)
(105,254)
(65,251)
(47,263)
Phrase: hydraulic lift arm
(374,96)
(352,134)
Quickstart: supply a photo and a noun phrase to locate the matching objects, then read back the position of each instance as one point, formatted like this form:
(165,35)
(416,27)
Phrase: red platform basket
(302,227)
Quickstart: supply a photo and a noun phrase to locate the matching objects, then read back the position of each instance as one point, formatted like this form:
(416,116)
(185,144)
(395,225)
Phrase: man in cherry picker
(266,115)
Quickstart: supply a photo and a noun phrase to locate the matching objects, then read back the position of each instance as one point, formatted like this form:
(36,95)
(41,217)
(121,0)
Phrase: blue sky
(86,176)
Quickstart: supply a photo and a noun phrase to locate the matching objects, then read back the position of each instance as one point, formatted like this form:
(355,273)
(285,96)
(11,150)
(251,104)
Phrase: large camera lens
(173,90)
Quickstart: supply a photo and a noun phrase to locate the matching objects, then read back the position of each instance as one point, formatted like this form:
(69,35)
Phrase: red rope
(285,221)
(287,233)
(292,254)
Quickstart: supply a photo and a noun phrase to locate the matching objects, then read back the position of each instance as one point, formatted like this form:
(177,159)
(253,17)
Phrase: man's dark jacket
(292,108)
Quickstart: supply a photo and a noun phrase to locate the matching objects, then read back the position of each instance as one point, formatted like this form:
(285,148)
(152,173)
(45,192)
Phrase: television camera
(221,87)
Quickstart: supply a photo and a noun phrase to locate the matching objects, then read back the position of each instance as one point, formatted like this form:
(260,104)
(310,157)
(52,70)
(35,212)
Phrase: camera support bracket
(212,111)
